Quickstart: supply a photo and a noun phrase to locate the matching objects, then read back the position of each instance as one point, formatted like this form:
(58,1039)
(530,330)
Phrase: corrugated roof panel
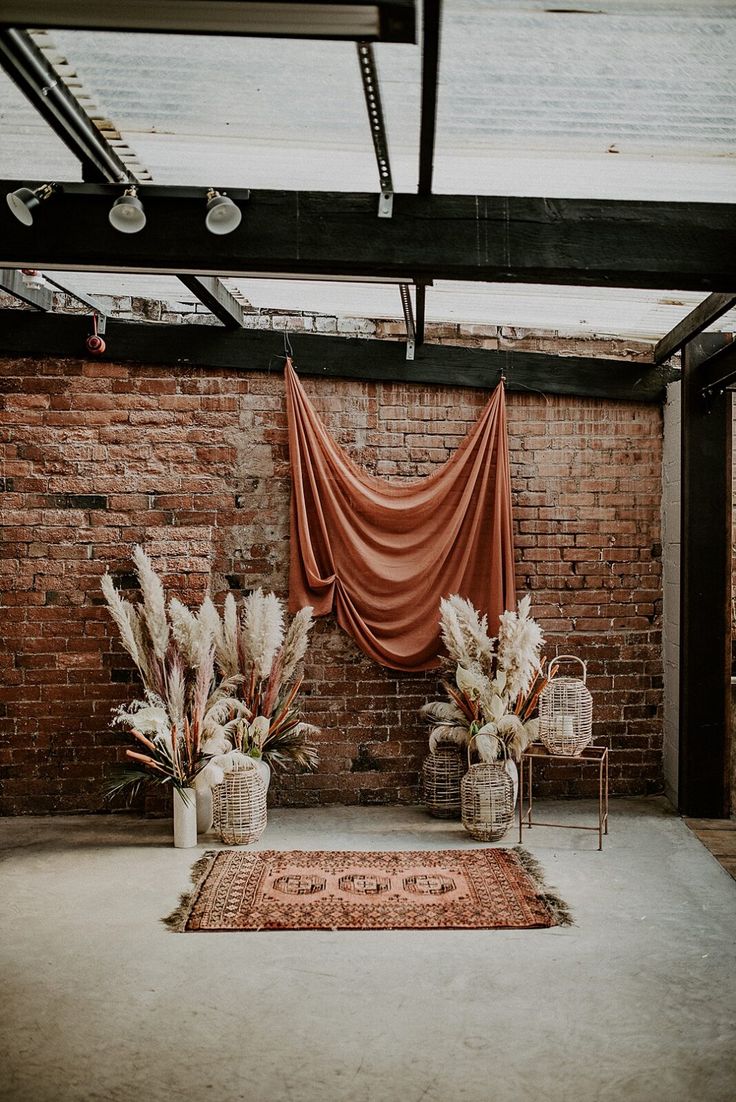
(532,98)
(612,312)
(29,149)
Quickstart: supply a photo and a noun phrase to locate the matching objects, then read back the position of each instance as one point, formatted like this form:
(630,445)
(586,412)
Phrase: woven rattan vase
(442,774)
(487,801)
(239,807)
(566,713)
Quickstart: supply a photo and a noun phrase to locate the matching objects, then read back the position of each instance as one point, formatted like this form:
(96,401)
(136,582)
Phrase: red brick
(194,464)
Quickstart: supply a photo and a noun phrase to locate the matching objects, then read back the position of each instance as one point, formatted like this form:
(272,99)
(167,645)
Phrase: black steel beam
(705,594)
(40,298)
(431,17)
(63,335)
(87,300)
(704,314)
(378,20)
(688,246)
(213,294)
(28,68)
(57,106)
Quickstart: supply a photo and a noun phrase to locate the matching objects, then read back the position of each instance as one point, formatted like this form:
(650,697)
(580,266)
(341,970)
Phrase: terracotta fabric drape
(382,554)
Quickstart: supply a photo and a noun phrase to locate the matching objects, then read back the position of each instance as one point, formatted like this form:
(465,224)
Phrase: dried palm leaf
(441,711)
(448,733)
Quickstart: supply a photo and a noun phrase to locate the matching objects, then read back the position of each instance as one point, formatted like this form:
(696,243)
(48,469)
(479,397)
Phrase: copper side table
(597,754)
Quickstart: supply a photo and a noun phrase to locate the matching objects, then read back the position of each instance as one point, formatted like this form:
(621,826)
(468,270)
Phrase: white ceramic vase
(185,818)
(204,810)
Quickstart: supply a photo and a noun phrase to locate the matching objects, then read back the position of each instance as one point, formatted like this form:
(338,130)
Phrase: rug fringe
(553,900)
(177,920)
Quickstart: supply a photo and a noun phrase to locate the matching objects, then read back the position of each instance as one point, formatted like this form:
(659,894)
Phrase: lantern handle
(573,658)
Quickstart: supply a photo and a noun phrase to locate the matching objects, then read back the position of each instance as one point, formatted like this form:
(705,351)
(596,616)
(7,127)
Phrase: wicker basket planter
(442,773)
(487,801)
(566,713)
(239,807)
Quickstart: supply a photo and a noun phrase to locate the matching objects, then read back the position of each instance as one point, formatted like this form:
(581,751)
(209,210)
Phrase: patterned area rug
(422,889)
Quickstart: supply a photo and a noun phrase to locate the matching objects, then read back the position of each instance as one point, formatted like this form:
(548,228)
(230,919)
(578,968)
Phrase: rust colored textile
(421,889)
(382,554)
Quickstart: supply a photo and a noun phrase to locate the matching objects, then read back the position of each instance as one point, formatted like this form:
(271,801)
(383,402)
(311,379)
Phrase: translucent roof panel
(611,312)
(628,99)
(622,99)
(28,147)
(250,112)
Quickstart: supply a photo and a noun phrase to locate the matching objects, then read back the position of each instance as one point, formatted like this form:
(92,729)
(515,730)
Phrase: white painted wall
(671,586)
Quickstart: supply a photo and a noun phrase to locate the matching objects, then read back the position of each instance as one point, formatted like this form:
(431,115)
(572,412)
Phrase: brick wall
(193,464)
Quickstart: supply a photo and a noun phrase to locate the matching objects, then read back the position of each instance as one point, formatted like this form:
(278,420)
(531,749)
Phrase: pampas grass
(207,677)
(262,631)
(520,643)
(493,685)
(296,642)
(154,602)
(229,654)
(119,613)
(259,659)
(173,649)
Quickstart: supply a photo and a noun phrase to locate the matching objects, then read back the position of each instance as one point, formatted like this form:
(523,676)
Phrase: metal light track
(369,76)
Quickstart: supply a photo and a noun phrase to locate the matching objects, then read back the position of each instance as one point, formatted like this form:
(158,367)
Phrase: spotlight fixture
(223,216)
(24,201)
(127,214)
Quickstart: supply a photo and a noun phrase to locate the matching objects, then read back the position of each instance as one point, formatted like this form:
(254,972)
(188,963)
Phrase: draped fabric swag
(382,554)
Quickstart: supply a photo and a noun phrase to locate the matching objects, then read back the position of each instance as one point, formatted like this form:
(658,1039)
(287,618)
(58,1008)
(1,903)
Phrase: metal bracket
(369,76)
(411,332)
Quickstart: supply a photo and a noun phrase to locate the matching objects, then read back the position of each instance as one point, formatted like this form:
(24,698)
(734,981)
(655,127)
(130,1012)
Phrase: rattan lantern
(239,807)
(442,774)
(487,801)
(566,713)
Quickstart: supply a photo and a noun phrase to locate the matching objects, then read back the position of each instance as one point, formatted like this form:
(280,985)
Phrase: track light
(24,201)
(127,214)
(223,216)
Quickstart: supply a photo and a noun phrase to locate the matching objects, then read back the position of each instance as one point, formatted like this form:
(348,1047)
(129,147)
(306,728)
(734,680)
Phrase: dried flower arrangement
(173,651)
(261,658)
(217,690)
(493,684)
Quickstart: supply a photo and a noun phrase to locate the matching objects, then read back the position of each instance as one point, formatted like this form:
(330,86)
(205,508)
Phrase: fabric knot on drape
(382,554)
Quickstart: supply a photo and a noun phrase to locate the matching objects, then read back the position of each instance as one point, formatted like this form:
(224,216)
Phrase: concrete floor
(100,1003)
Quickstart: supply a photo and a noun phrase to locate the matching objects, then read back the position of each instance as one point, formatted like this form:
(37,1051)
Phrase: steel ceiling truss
(704,314)
(26,65)
(39,297)
(432,13)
